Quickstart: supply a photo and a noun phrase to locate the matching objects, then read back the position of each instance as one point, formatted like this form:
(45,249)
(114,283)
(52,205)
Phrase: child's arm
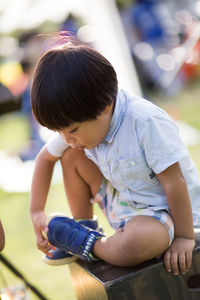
(2,237)
(43,171)
(179,255)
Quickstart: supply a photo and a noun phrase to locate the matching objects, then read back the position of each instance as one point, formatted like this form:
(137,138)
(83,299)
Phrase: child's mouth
(77,147)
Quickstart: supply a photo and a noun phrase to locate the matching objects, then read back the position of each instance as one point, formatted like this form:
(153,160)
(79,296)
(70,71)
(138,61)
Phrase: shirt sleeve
(56,145)
(160,140)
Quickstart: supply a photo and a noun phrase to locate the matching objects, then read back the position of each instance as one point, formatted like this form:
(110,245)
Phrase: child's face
(88,134)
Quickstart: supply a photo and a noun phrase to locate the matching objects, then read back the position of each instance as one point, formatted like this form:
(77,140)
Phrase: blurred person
(151,32)
(31,46)
(115,149)
(70,25)
(8,102)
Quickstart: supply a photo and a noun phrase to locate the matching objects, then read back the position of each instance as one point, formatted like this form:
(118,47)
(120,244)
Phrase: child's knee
(132,246)
(70,157)
(143,242)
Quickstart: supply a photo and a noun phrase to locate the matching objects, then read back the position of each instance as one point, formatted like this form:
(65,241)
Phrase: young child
(119,150)
(2,237)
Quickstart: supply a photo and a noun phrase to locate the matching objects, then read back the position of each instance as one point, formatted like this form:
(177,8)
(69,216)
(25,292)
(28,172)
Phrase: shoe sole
(59,262)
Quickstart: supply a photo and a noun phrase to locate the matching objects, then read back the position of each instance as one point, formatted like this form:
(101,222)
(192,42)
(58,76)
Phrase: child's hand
(178,257)
(40,227)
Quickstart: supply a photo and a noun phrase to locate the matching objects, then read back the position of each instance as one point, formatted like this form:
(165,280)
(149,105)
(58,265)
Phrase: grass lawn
(20,248)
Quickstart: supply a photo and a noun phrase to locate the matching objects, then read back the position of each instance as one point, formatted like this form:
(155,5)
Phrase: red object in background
(190,68)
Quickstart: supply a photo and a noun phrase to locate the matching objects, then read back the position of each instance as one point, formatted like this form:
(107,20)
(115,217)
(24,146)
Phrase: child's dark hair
(71,83)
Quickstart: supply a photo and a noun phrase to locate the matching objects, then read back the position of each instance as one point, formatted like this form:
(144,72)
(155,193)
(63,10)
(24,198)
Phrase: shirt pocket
(135,172)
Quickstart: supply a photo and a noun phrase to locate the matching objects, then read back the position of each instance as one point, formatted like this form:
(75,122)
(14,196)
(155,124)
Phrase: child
(119,150)
(2,237)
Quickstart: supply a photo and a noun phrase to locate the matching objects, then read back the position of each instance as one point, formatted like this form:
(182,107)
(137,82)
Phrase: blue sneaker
(73,237)
(61,257)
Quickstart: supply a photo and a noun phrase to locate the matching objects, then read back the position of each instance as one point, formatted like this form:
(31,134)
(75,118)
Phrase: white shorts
(107,198)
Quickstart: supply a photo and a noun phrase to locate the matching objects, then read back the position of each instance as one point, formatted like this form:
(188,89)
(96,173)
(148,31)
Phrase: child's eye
(73,130)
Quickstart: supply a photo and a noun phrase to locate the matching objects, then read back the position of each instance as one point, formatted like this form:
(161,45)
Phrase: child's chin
(80,148)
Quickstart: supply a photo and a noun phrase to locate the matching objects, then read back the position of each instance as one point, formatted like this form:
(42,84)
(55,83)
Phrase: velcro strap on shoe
(78,236)
(88,244)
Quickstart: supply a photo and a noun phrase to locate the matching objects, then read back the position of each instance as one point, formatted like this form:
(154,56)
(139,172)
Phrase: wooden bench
(147,281)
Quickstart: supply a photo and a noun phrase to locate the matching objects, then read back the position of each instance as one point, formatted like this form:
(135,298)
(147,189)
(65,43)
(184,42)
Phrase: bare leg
(141,239)
(82,180)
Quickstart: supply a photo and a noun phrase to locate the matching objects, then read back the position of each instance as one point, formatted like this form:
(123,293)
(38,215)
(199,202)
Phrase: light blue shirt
(142,141)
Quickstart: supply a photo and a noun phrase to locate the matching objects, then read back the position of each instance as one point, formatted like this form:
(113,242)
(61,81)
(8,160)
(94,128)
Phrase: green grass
(13,132)
(55,282)
(186,102)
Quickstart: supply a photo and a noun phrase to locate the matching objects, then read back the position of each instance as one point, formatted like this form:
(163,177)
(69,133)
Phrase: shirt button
(122,187)
(105,169)
(132,163)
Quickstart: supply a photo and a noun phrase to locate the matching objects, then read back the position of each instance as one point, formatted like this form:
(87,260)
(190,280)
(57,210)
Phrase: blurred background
(155,48)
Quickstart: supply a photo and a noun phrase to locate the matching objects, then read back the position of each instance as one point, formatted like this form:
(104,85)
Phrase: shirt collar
(120,107)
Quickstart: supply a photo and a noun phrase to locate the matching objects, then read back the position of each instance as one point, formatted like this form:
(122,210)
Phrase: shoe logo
(89,244)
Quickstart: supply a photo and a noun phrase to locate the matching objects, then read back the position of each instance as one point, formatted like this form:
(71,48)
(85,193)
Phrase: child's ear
(108,109)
